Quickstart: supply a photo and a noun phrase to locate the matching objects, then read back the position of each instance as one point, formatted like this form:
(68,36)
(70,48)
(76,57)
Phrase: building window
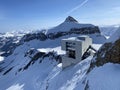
(71,54)
(70,45)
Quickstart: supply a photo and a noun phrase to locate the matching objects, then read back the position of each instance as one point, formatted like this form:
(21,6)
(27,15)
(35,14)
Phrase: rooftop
(79,38)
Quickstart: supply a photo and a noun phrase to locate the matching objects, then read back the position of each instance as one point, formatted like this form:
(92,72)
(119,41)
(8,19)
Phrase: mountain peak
(70,19)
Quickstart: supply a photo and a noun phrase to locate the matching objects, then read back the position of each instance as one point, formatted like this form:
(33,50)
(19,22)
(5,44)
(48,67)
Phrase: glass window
(71,54)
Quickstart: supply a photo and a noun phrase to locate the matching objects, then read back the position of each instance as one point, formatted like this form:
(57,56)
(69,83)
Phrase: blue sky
(38,14)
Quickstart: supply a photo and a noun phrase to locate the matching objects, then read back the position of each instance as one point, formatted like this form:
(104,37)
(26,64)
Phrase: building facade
(75,47)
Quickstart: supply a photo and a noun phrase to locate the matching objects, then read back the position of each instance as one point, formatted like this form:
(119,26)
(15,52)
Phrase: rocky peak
(70,19)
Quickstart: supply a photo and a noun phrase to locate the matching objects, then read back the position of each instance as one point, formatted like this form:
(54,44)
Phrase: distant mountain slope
(115,36)
(110,51)
(68,24)
(9,41)
(69,27)
(108,30)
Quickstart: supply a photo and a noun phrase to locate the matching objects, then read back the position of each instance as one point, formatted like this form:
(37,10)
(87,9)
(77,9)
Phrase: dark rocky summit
(70,19)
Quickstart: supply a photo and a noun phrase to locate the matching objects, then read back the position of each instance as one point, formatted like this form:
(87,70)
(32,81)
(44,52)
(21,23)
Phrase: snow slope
(68,78)
(65,26)
(35,78)
(105,77)
(1,58)
(115,36)
(41,76)
(108,30)
(45,73)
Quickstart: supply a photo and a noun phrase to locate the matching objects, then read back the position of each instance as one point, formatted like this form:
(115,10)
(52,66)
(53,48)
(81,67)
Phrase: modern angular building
(75,47)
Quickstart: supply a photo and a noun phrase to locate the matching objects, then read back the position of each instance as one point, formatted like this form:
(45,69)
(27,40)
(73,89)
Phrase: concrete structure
(75,47)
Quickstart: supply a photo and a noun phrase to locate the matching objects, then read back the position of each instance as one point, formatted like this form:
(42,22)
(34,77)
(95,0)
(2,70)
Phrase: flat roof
(79,38)
(83,36)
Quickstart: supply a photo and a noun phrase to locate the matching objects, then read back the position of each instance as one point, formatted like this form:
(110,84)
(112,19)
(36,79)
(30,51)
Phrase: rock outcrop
(109,52)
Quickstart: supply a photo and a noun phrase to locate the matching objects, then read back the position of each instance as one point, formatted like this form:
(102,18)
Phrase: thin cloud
(77,7)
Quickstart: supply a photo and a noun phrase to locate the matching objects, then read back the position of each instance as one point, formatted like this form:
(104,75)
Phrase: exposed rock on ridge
(70,19)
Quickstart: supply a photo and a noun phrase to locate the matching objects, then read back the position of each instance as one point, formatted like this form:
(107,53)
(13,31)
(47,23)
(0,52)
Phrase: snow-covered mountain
(36,63)
(68,24)
(106,66)
(9,41)
(69,27)
(108,30)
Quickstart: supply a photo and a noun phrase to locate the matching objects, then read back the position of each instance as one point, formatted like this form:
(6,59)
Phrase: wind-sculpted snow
(105,77)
